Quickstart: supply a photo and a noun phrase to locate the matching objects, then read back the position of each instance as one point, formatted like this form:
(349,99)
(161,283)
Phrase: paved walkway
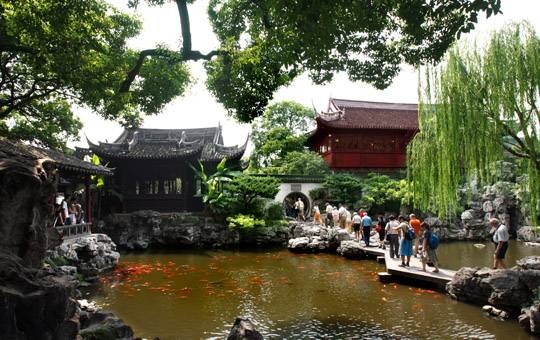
(414,271)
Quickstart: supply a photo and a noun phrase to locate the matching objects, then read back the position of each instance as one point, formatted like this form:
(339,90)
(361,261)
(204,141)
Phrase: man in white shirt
(500,238)
(329,218)
(342,216)
(393,237)
(299,206)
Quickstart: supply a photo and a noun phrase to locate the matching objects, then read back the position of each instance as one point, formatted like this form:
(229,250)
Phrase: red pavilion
(362,136)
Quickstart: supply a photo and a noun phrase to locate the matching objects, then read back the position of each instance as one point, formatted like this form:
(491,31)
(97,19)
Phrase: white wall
(286,188)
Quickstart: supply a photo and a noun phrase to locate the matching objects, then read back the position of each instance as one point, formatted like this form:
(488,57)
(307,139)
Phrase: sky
(197,107)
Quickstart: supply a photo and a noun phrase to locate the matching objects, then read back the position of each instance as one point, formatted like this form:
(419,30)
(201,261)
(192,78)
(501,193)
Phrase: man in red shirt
(415,224)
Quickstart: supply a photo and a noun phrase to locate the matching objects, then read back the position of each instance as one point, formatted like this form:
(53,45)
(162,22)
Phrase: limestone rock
(527,234)
(529,262)
(350,249)
(243,329)
(35,304)
(104,325)
(507,289)
(495,312)
(90,254)
(299,243)
(530,318)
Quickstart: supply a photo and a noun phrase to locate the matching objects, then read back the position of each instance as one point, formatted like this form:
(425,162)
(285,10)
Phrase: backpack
(433,241)
(410,234)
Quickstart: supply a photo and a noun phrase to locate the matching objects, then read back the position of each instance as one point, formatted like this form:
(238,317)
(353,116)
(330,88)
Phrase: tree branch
(184,24)
(187,53)
(124,87)
(515,153)
(15,48)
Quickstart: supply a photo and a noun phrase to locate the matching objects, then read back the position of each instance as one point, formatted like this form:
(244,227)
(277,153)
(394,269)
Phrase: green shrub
(245,222)
(56,261)
(274,212)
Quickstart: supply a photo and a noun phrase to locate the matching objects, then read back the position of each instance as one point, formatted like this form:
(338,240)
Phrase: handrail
(74,230)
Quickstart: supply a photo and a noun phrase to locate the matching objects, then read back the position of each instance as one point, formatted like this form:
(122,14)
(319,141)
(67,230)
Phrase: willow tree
(476,107)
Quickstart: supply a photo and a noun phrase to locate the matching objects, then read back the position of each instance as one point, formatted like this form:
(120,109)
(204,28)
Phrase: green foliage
(57,53)
(274,212)
(319,194)
(271,149)
(282,129)
(243,191)
(56,261)
(301,163)
(381,193)
(98,180)
(378,193)
(344,188)
(214,195)
(474,107)
(245,222)
(267,43)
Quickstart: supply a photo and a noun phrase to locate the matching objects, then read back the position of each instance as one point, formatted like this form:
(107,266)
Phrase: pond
(197,295)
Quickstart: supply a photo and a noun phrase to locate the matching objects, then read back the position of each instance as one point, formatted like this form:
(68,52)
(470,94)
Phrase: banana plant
(214,185)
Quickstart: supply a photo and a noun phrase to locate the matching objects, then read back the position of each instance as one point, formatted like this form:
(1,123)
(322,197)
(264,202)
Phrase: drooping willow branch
(475,107)
(187,53)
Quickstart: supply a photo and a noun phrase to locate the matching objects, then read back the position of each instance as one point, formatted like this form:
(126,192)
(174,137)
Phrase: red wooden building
(361,136)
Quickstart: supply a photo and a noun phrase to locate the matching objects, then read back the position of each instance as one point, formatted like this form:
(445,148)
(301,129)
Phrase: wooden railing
(74,230)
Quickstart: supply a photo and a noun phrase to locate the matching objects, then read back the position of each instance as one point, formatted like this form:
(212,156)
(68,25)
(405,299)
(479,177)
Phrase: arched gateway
(294,186)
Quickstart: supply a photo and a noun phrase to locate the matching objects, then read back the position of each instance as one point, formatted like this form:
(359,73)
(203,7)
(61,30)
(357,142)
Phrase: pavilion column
(88,196)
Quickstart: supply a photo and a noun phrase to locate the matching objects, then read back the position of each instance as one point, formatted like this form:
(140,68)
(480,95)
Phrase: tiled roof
(352,114)
(29,155)
(204,143)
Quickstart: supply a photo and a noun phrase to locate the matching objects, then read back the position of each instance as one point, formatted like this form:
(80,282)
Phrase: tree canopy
(479,105)
(265,44)
(57,53)
(280,130)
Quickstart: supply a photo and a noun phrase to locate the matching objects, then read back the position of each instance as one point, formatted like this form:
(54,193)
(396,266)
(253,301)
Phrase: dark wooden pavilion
(364,136)
(152,166)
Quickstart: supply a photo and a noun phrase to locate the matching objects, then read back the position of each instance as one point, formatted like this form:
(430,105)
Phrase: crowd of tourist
(404,237)
(67,211)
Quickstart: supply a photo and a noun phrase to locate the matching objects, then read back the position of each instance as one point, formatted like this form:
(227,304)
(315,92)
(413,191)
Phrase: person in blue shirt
(366,228)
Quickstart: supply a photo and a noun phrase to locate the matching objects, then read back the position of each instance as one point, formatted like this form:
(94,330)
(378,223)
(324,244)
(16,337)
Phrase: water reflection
(194,295)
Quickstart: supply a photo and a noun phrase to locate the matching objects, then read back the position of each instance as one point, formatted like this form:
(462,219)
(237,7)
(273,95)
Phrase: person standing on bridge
(407,237)
(366,228)
(415,224)
(392,236)
(429,247)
